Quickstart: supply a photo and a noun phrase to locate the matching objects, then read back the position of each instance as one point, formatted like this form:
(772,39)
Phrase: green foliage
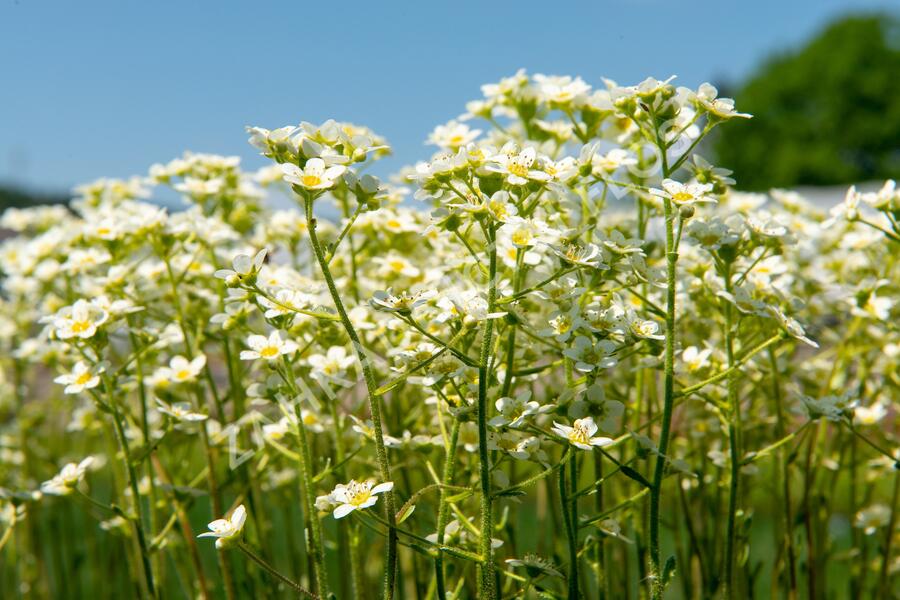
(13,197)
(826,114)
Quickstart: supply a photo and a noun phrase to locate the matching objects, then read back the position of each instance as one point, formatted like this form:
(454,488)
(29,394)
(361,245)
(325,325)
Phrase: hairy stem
(390,568)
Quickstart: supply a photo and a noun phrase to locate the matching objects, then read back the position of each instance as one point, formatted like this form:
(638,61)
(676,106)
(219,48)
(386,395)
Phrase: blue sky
(105,88)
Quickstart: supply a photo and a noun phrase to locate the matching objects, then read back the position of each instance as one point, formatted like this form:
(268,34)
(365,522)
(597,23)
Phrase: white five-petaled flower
(453,135)
(684,194)
(514,411)
(357,495)
(516,166)
(82,377)
(268,348)
(581,433)
(402,302)
(79,320)
(181,411)
(584,256)
(227,531)
(243,266)
(182,370)
(723,108)
(332,364)
(314,176)
(69,477)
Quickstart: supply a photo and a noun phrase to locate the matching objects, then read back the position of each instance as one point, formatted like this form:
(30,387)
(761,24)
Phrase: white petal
(383,487)
(343,510)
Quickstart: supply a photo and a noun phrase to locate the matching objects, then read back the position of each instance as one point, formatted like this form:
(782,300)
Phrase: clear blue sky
(91,88)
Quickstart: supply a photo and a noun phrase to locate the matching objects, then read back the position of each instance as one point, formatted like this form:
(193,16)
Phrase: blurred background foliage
(825,114)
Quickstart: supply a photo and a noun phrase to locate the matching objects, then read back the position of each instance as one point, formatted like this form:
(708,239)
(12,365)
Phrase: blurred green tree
(826,114)
(14,197)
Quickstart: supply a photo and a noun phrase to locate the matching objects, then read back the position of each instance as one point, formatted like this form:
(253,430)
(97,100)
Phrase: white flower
(723,108)
(516,166)
(872,518)
(181,411)
(69,477)
(869,415)
(695,359)
(332,364)
(268,348)
(401,303)
(82,377)
(641,328)
(357,495)
(684,193)
(580,434)
(227,531)
(276,431)
(589,354)
(182,370)
(314,176)
(244,267)
(513,411)
(453,135)
(79,320)
(583,256)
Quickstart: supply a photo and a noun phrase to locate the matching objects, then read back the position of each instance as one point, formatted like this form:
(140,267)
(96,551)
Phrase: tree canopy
(828,113)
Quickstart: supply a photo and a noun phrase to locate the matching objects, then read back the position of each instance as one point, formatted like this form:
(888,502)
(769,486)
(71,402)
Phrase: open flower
(580,434)
(453,135)
(357,495)
(244,268)
(514,411)
(516,166)
(684,194)
(332,364)
(314,176)
(227,531)
(80,320)
(401,303)
(67,479)
(268,348)
(181,411)
(182,370)
(82,377)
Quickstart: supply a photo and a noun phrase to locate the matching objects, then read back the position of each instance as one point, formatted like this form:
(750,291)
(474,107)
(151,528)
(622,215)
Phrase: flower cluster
(564,320)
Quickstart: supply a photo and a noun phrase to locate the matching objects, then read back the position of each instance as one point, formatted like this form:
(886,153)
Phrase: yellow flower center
(397,265)
(311,180)
(183,374)
(579,435)
(456,140)
(682,197)
(83,378)
(269,352)
(521,237)
(517,168)
(80,326)
(358,493)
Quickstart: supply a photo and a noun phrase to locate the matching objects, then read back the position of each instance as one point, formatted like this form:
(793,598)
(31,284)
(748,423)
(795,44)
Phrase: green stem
(487,588)
(317,550)
(785,479)
(390,568)
(669,398)
(570,516)
(444,509)
(137,520)
(273,571)
(734,441)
